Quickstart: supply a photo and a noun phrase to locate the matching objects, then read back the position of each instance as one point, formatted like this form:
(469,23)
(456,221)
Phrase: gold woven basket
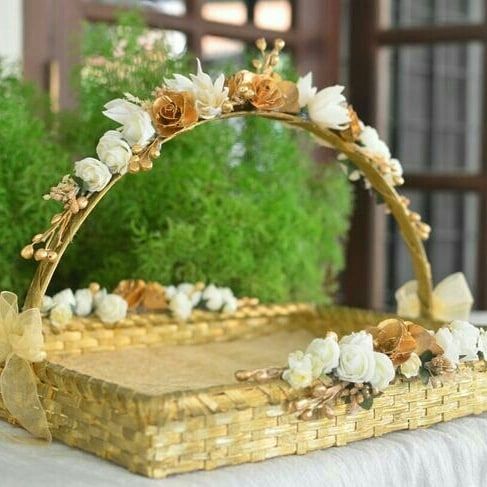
(158,396)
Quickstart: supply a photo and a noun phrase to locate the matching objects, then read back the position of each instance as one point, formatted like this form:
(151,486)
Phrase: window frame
(367,37)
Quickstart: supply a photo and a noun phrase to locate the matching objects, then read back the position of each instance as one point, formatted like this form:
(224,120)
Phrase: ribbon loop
(452,299)
(21,343)
(18,387)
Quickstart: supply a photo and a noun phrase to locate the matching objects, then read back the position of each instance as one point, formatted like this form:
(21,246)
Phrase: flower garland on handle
(360,366)
(21,344)
(181,104)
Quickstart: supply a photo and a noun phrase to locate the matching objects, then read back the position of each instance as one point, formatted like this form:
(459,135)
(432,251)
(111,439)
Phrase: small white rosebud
(213,298)
(111,308)
(411,367)
(46,305)
(61,315)
(65,297)
(170,292)
(84,302)
(93,172)
(181,306)
(231,305)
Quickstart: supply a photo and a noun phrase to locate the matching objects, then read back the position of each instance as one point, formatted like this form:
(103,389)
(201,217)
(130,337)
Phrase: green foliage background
(238,203)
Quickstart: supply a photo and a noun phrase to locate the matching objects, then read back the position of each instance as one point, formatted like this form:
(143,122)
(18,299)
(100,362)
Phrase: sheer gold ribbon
(21,343)
(452,299)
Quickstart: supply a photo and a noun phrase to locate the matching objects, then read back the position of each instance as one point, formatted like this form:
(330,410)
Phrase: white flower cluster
(461,342)
(61,307)
(114,149)
(209,96)
(185,297)
(327,107)
(352,359)
(371,142)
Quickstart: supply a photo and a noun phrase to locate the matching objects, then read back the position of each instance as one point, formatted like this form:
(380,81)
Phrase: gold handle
(354,153)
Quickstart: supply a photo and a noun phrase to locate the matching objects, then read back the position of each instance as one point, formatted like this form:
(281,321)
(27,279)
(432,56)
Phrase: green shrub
(238,203)
(29,163)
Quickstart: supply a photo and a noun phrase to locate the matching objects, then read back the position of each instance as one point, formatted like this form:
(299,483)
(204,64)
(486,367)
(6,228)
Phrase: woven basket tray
(159,396)
(158,433)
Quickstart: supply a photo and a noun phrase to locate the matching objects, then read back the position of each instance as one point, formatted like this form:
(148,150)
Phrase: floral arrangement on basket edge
(362,365)
(356,368)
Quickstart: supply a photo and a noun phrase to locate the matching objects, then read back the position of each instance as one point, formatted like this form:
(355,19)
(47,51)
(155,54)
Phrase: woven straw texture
(160,435)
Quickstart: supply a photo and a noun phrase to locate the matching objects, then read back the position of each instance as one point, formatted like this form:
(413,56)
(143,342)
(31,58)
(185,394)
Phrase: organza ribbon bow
(21,343)
(452,299)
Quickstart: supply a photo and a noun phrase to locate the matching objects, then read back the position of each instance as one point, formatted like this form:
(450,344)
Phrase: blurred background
(412,68)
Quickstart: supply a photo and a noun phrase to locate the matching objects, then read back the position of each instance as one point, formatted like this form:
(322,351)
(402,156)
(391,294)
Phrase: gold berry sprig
(268,60)
(142,158)
(43,244)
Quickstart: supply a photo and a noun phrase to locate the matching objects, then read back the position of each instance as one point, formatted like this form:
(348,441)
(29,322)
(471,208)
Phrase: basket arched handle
(366,163)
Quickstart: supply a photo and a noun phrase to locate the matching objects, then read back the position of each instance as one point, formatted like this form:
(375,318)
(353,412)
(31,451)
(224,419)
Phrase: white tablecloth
(447,455)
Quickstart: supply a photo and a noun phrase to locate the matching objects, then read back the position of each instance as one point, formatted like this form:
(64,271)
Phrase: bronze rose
(263,91)
(425,341)
(272,93)
(393,338)
(172,111)
(240,87)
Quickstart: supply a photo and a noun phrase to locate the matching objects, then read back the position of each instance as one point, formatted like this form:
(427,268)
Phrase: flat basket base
(159,397)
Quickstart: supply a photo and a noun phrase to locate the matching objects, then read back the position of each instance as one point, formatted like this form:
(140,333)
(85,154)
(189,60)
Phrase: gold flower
(272,93)
(425,341)
(393,338)
(138,293)
(154,297)
(240,87)
(132,290)
(263,91)
(172,111)
(352,133)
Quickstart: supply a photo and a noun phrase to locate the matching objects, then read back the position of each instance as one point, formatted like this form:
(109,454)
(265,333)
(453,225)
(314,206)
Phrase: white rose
(482,343)
(46,305)
(65,297)
(451,351)
(466,336)
(411,367)
(114,152)
(186,288)
(213,298)
(93,172)
(231,305)
(195,297)
(300,372)
(136,123)
(325,354)
(61,315)
(328,108)
(357,361)
(384,371)
(84,302)
(170,291)
(361,338)
(306,89)
(181,306)
(111,308)
(99,297)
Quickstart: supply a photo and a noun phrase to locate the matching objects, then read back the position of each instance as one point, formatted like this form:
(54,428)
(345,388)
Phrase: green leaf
(426,356)
(424,375)
(367,403)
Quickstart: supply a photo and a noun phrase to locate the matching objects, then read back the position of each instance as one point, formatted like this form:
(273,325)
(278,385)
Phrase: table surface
(448,454)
